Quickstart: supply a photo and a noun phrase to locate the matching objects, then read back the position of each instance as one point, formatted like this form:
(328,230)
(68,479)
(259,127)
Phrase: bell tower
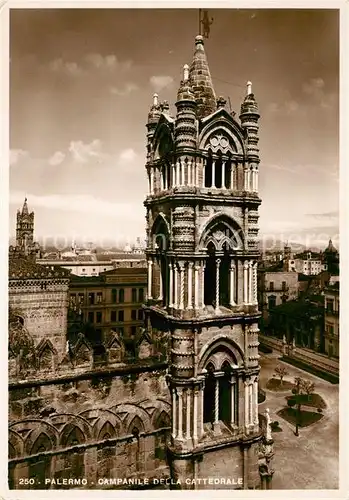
(202,251)
(25,229)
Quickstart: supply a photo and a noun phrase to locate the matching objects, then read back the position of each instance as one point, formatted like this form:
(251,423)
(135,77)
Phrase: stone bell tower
(25,229)
(202,229)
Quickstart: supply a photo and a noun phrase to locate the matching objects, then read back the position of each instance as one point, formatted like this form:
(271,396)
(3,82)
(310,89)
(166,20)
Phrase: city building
(95,264)
(202,230)
(111,302)
(275,286)
(299,322)
(331,333)
(308,262)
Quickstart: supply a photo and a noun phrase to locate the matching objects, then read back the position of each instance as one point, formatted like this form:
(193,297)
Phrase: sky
(81,85)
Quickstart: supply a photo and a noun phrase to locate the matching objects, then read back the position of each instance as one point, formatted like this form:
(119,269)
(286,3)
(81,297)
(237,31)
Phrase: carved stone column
(182,183)
(223,174)
(181,277)
(175,270)
(170,292)
(245,282)
(195,415)
(180,413)
(255,291)
(246,179)
(151,187)
(150,277)
(255,386)
(218,263)
(232,284)
(213,183)
(189,181)
(216,401)
(250,281)
(160,283)
(250,403)
(246,404)
(188,433)
(174,414)
(190,285)
(196,287)
(173,183)
(256,180)
(201,411)
(178,167)
(162,178)
(232,411)
(203,286)
(203,171)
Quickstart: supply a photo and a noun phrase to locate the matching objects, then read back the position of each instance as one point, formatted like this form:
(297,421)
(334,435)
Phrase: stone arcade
(202,228)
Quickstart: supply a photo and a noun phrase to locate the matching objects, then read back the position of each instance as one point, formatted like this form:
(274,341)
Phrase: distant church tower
(25,229)
(202,251)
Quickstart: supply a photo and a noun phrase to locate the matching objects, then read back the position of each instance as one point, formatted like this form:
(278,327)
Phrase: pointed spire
(249,88)
(25,210)
(201,82)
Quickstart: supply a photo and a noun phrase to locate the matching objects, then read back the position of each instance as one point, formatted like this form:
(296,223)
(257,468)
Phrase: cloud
(16,155)
(282,168)
(90,62)
(66,67)
(315,90)
(109,62)
(325,215)
(160,82)
(57,158)
(126,90)
(83,203)
(82,152)
(128,155)
(313,86)
(288,107)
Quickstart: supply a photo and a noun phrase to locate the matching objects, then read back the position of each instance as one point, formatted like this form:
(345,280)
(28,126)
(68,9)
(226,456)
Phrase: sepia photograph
(173,248)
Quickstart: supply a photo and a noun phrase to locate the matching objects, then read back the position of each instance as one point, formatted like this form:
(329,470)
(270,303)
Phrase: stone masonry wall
(96,431)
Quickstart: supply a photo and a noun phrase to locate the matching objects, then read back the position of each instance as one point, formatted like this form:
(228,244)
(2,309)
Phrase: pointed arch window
(40,468)
(220,395)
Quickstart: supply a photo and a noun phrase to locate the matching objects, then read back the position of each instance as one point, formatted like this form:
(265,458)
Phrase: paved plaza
(310,461)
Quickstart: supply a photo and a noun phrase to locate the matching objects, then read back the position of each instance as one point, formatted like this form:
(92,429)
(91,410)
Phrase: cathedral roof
(201,82)
(23,268)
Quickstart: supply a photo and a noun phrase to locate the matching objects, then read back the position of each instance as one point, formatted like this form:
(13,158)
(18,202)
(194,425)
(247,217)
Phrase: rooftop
(22,268)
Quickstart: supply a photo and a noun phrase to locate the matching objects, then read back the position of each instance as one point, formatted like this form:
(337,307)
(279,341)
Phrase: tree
(307,387)
(281,371)
(302,388)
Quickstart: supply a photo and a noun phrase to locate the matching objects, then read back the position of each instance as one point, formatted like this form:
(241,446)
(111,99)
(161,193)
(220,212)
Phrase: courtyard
(311,460)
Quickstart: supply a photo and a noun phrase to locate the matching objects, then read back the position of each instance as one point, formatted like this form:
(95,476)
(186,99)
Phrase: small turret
(153,118)
(249,117)
(155,111)
(185,126)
